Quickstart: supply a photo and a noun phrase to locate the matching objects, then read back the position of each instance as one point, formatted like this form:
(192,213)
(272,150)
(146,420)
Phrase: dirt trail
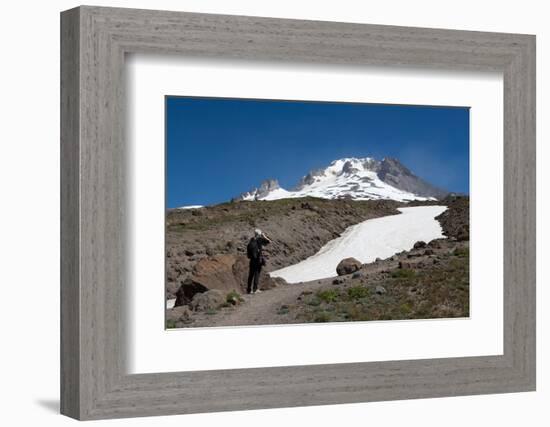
(264,308)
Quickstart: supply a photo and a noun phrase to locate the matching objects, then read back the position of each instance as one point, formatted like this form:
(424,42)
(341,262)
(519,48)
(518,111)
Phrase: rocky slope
(429,281)
(206,264)
(298,227)
(455,221)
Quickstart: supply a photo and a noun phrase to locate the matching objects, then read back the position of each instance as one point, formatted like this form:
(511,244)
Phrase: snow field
(368,240)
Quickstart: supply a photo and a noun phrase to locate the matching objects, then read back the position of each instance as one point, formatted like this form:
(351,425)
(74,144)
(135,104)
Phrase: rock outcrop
(455,221)
(223,273)
(216,272)
(263,190)
(210,300)
(187,290)
(178,314)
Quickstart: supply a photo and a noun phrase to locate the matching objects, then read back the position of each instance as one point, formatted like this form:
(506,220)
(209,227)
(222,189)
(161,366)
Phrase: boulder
(172,289)
(278,281)
(216,272)
(348,266)
(171,274)
(414,255)
(187,290)
(210,300)
(227,272)
(435,244)
(178,314)
(380,290)
(411,265)
(419,245)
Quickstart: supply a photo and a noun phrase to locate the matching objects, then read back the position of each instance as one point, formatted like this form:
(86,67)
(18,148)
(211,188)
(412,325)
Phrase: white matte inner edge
(151,348)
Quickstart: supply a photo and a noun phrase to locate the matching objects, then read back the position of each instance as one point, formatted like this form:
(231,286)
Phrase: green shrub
(354,312)
(313,301)
(405,308)
(284,309)
(403,273)
(461,252)
(358,292)
(328,295)
(170,324)
(322,317)
(233,298)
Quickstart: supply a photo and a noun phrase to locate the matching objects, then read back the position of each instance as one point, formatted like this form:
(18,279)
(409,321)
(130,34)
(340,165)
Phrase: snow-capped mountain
(354,178)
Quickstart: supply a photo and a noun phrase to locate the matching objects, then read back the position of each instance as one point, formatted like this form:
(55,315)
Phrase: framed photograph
(262,213)
(348,229)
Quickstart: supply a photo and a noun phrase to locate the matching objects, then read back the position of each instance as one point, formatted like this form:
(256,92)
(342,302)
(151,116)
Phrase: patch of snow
(279,193)
(368,240)
(191,207)
(170,303)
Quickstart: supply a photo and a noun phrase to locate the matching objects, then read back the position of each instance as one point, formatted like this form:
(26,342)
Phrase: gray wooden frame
(94,41)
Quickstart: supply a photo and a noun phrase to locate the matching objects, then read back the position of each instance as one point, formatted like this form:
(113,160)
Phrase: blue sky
(217,148)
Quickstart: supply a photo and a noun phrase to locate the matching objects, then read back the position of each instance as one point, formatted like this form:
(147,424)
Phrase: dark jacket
(254,248)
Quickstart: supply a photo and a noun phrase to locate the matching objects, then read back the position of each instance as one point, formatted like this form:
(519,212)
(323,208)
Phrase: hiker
(257,260)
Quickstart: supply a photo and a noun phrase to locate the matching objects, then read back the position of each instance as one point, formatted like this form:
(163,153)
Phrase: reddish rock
(226,273)
(216,272)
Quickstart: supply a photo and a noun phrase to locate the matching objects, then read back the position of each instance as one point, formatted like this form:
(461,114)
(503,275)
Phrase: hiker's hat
(258,232)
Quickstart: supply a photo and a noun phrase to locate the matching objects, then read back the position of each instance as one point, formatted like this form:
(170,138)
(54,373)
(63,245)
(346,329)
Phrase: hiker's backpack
(253,249)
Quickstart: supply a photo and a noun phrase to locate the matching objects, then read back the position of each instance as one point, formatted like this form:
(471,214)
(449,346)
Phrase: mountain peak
(394,173)
(266,187)
(356,178)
